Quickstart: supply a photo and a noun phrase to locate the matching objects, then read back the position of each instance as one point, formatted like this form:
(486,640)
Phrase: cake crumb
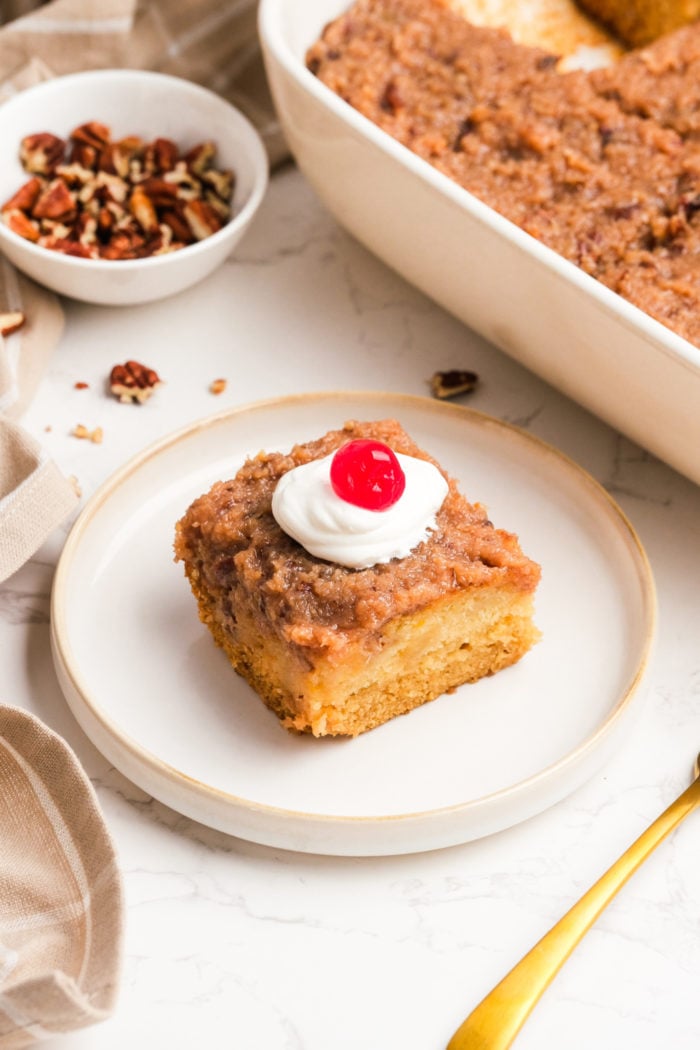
(83,432)
(218,386)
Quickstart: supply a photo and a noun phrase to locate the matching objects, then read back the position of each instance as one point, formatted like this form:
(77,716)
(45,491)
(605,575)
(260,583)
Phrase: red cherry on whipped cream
(367,474)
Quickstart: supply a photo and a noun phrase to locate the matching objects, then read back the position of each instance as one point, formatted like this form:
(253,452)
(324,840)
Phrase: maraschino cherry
(367,474)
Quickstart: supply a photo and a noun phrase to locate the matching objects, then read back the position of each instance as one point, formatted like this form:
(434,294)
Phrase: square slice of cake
(338,648)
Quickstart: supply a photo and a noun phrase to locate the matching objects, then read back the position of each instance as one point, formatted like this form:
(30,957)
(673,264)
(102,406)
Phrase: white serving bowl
(556,320)
(150,105)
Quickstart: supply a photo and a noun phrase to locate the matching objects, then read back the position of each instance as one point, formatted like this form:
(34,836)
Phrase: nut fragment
(41,153)
(91,134)
(218,386)
(56,202)
(81,431)
(26,196)
(133,382)
(453,382)
(11,321)
(21,224)
(202,219)
(93,197)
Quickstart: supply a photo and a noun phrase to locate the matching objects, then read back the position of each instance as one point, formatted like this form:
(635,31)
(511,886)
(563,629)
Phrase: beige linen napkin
(214,42)
(34,496)
(61,907)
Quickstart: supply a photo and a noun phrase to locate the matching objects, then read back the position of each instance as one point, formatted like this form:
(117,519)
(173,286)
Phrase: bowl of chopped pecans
(121,186)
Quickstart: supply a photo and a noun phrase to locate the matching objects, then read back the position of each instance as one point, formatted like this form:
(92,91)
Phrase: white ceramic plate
(147,684)
(547,314)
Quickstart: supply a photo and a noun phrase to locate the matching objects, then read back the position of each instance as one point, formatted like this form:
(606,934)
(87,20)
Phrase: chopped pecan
(83,432)
(202,219)
(82,154)
(21,224)
(453,382)
(175,219)
(221,182)
(200,157)
(188,185)
(141,207)
(67,247)
(124,244)
(161,193)
(220,207)
(55,202)
(11,321)
(26,196)
(133,382)
(160,156)
(86,229)
(105,222)
(115,157)
(41,153)
(91,134)
(119,160)
(53,228)
(111,187)
(74,175)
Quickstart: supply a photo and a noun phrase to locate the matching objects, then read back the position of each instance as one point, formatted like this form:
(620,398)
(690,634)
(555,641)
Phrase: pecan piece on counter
(11,321)
(133,382)
(20,223)
(85,434)
(452,383)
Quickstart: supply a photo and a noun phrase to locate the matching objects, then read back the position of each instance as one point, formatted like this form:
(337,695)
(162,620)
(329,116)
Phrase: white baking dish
(541,309)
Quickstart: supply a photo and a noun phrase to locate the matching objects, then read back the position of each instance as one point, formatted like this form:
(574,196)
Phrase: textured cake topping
(311,503)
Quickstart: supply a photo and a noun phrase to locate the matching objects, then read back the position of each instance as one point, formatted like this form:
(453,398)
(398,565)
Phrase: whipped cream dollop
(305,505)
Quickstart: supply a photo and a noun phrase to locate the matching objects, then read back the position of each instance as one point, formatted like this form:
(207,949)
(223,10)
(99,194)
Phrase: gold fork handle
(498,1018)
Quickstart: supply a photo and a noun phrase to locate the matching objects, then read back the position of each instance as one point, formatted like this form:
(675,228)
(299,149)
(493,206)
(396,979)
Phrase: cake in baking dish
(382,588)
(601,166)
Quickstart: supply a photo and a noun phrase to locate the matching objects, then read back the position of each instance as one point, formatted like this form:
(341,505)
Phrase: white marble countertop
(230,944)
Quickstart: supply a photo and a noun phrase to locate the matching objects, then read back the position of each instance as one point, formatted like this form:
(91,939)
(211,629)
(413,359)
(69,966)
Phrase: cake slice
(337,650)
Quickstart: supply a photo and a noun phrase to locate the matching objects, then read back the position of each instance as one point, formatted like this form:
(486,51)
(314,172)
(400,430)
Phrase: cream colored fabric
(34,496)
(61,907)
(211,41)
